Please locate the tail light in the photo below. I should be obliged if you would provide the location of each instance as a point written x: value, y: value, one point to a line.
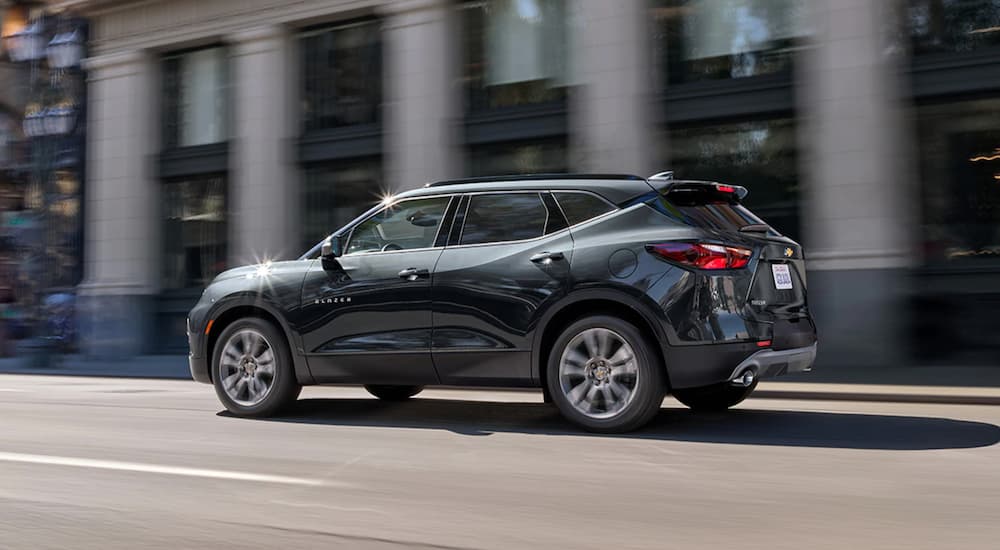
x: 703, y: 255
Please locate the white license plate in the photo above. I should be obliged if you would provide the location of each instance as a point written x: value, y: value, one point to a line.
x: 782, y: 276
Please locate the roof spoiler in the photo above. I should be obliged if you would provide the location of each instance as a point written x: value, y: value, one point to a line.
x: 665, y: 184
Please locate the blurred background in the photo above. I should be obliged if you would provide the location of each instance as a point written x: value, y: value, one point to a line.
x: 145, y: 146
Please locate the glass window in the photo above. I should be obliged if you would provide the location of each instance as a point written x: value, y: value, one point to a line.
x: 342, y: 71
x: 504, y: 217
x: 580, y: 207
x: 959, y: 146
x: 195, y: 105
x: 723, y: 39
x: 516, y: 52
x: 406, y: 225
x: 952, y: 25
x: 759, y: 155
x: 519, y: 157
x: 334, y: 194
x: 195, y: 231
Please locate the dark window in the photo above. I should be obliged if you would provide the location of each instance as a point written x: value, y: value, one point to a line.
x: 520, y: 157
x: 760, y: 155
x: 959, y: 145
x: 724, y: 39
x: 342, y: 68
x: 334, y: 194
x: 952, y: 25
x: 406, y: 225
x: 195, y: 105
x: 580, y: 207
x: 498, y: 218
x: 194, y: 231
x: 515, y: 52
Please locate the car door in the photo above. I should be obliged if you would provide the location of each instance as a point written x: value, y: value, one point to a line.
x: 366, y: 315
x: 507, y: 260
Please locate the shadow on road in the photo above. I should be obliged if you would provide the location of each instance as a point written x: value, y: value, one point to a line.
x: 738, y: 426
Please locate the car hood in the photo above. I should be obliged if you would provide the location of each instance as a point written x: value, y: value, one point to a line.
x: 257, y: 270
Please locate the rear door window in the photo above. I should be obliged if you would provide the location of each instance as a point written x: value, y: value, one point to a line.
x: 500, y: 217
x: 580, y: 207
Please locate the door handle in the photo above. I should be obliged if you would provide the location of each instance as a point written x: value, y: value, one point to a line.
x: 546, y: 257
x: 412, y: 273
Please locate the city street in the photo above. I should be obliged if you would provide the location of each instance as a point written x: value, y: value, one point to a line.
x: 108, y: 463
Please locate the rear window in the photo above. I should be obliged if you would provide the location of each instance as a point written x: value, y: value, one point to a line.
x: 495, y: 218
x: 580, y: 207
x: 719, y: 216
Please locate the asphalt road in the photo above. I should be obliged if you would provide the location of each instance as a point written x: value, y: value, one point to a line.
x: 126, y: 464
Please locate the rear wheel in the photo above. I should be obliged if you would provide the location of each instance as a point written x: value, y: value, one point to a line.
x: 604, y: 375
x: 714, y: 398
x: 252, y: 369
x: 393, y: 393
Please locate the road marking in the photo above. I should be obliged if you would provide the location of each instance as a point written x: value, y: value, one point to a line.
x: 13, y: 390
x: 154, y: 469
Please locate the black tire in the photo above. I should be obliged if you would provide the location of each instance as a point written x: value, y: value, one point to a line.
x: 393, y: 393
x: 714, y: 398
x: 284, y: 387
x: 647, y: 384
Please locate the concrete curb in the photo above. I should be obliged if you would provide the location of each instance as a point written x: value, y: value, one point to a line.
x: 821, y: 395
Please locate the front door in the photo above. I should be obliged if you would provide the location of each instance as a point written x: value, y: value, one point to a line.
x: 366, y: 315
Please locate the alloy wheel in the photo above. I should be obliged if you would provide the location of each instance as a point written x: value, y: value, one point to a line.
x: 598, y: 373
x: 247, y: 367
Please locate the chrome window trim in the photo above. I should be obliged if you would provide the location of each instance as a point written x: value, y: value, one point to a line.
x: 437, y: 232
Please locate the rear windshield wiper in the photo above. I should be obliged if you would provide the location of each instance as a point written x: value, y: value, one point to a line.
x: 755, y: 228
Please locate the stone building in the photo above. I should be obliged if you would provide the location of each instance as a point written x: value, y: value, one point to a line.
x: 224, y: 131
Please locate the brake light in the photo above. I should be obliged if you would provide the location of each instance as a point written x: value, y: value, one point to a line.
x: 725, y: 188
x: 703, y: 255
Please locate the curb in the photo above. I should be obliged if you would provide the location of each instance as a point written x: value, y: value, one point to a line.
x: 820, y: 395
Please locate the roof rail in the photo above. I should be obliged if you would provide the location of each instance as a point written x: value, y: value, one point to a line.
x: 668, y: 175
x: 534, y: 177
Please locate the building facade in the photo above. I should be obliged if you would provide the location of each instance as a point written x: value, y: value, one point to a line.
x: 223, y: 132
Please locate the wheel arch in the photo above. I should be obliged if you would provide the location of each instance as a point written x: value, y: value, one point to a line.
x: 595, y: 302
x: 242, y: 308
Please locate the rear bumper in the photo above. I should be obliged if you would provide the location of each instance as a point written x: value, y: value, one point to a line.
x: 769, y: 363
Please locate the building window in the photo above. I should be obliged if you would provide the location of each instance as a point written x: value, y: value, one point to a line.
x: 759, y: 155
x: 952, y: 25
x: 516, y: 52
x: 337, y: 193
x: 547, y: 156
x: 195, y: 98
x: 959, y: 146
x: 194, y: 232
x: 726, y: 39
x: 342, y: 71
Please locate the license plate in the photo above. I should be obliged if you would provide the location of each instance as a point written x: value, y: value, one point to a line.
x: 782, y: 276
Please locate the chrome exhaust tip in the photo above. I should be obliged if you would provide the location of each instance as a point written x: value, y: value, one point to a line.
x: 744, y: 379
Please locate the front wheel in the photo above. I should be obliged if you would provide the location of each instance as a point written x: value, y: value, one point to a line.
x: 714, y: 398
x: 605, y: 376
x: 252, y: 369
x: 393, y: 393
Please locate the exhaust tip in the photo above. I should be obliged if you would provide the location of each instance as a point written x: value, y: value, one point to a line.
x: 745, y: 379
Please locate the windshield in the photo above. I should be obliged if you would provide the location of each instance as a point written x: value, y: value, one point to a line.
x: 718, y: 216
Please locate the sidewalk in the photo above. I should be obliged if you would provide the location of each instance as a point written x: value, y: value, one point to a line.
x: 925, y: 384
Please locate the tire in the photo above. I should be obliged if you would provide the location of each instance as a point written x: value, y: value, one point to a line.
x: 714, y: 398
x: 594, y: 383
x: 393, y: 393
x: 231, y: 368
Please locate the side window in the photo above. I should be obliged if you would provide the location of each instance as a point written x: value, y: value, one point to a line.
x: 405, y: 225
x: 495, y: 218
x: 580, y: 207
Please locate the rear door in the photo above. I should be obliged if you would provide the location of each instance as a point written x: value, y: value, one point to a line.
x: 507, y: 260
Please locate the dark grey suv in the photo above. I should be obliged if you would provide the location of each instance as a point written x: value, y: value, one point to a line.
x: 605, y: 291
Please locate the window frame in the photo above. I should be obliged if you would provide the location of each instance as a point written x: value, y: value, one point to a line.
x: 348, y: 231
x: 464, y: 217
x: 170, y: 120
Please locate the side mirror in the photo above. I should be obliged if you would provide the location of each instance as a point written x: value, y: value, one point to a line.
x: 332, y: 247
